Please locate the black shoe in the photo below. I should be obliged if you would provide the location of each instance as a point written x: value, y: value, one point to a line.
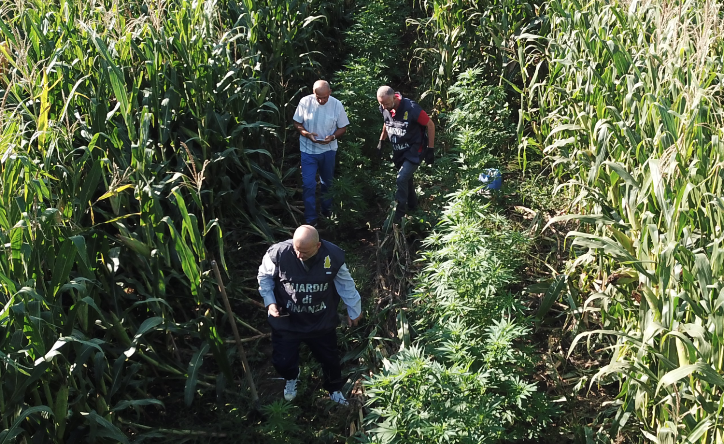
x: 327, y: 213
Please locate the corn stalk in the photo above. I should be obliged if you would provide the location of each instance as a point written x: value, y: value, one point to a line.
x: 123, y: 130
x: 630, y: 120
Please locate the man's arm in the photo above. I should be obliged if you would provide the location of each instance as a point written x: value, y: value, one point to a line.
x: 430, y: 133
x: 298, y: 119
x: 383, y: 136
x: 346, y: 289
x: 265, y: 277
x: 339, y: 132
x: 342, y: 122
x: 300, y: 127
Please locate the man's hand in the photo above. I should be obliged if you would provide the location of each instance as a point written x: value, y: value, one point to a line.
x: 273, y: 310
x: 311, y: 136
x: 430, y: 155
x: 380, y: 144
x: 353, y: 322
x: 324, y: 141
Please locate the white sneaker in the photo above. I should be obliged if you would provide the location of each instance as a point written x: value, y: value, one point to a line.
x: 290, y: 390
x: 338, y: 397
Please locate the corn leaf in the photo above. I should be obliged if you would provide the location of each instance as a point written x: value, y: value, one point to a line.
x: 147, y: 325
x: 705, y: 370
x: 122, y: 405
x: 106, y: 429
x: 8, y: 436
x: 550, y: 296
x: 188, y: 261
x: 193, y: 373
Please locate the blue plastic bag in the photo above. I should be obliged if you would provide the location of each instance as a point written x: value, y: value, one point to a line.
x: 491, y: 179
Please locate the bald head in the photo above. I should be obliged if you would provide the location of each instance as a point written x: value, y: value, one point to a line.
x: 321, y: 86
x: 306, y: 242
x: 386, y: 98
x: 385, y: 91
x: 306, y: 234
x: 321, y: 91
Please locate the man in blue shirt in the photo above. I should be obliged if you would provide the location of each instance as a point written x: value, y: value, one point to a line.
x: 302, y: 281
x: 320, y: 120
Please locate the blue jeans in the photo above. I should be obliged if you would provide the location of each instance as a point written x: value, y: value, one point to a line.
x: 311, y: 164
x: 405, y: 194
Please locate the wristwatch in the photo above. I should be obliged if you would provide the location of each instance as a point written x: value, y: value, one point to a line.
x: 334, y: 137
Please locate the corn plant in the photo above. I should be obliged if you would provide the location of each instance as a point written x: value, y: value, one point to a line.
x: 123, y: 128
x: 629, y: 118
x: 455, y: 36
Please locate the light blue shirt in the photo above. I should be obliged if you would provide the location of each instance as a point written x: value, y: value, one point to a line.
x: 320, y: 119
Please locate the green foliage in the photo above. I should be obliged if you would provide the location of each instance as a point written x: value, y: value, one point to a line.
x: 350, y: 184
x: 480, y: 369
x: 454, y: 36
x: 464, y: 378
x: 374, y: 60
x: 481, y: 117
x: 629, y: 118
x: 375, y: 35
x: 480, y: 123
x: 421, y: 399
x: 280, y: 425
x: 126, y: 133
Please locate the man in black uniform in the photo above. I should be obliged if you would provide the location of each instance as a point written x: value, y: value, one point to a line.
x: 412, y: 134
x: 302, y: 281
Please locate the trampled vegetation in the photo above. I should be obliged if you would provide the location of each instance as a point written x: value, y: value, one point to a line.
x: 583, y: 302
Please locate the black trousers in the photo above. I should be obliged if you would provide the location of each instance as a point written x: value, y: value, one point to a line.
x: 285, y: 355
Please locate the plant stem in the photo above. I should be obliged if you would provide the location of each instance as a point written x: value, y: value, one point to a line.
x: 242, y: 353
x: 173, y: 431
